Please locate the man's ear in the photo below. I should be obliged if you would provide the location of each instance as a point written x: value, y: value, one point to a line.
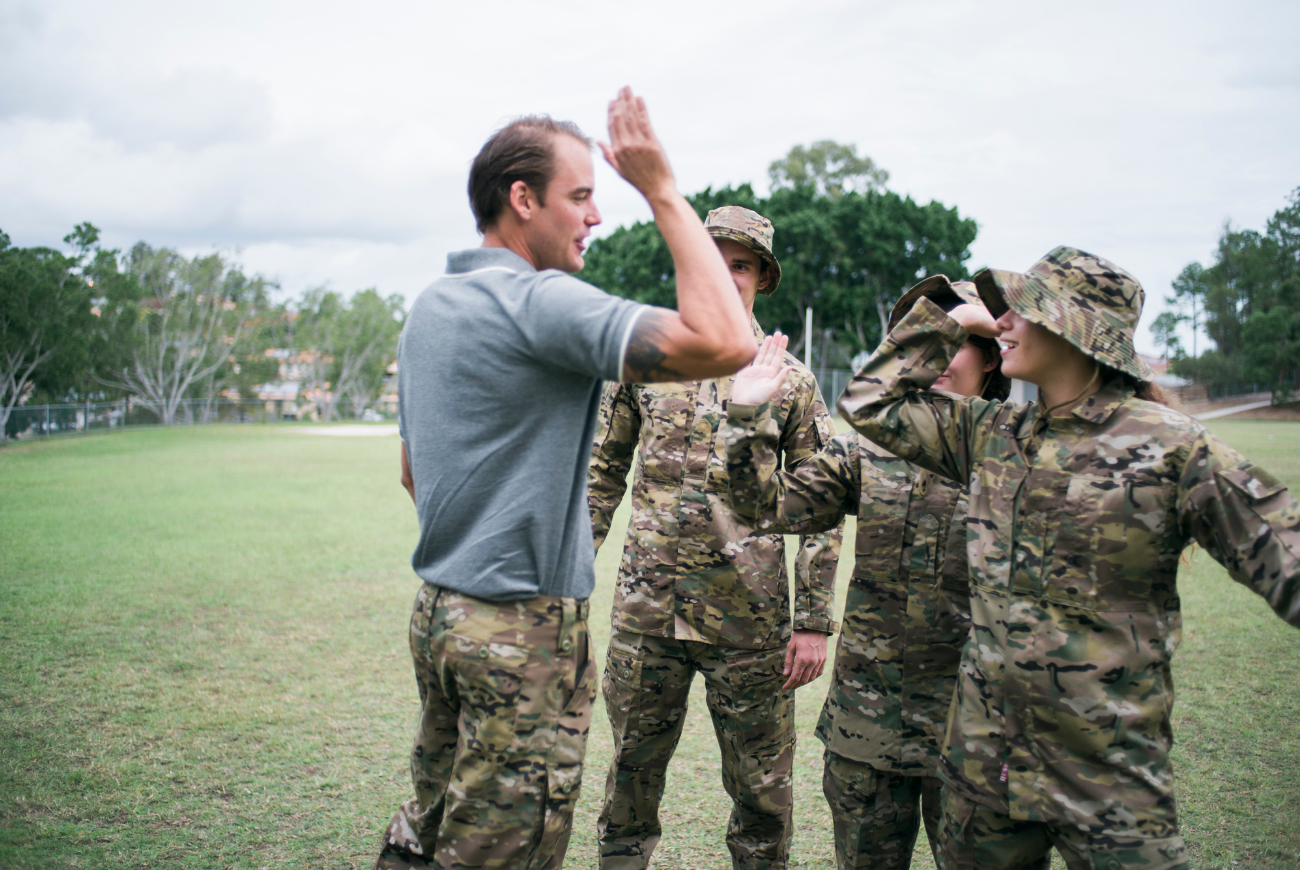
x: 764, y: 275
x: 522, y: 200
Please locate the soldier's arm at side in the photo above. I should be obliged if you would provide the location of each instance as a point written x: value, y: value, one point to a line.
x: 889, y: 401
x: 408, y: 482
x: 807, y: 433
x: 618, y: 426
x: 1246, y: 519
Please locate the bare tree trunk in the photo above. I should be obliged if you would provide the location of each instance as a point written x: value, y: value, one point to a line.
x: 13, y: 384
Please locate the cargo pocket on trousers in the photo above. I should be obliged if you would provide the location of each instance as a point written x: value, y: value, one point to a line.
x: 621, y: 688
x: 564, y: 770
x: 489, y: 677
x: 1166, y: 853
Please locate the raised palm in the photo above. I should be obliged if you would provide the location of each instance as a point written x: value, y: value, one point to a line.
x: 758, y: 382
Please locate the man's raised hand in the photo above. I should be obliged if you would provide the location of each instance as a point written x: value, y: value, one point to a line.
x: 758, y: 382
x: 634, y: 150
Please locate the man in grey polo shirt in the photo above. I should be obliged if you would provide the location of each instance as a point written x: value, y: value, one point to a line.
x: 501, y: 363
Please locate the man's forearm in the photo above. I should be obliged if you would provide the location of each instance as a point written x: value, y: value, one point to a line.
x: 707, y: 300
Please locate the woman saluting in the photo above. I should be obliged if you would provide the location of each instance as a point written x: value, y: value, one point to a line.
x: 905, y: 616
x: 1080, y: 505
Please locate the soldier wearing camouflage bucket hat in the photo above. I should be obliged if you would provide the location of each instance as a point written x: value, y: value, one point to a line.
x: 1080, y: 506
x: 699, y: 589
x: 907, y: 612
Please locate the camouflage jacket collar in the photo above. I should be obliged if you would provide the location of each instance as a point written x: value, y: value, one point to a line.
x: 759, y: 334
x: 1096, y: 409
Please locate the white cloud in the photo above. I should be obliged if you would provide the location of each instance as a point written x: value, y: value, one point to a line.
x: 329, y: 141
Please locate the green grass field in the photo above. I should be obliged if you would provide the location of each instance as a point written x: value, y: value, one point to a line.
x: 205, y: 665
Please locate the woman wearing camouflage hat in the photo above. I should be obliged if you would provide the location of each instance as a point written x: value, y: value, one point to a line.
x: 906, y: 616
x: 1080, y: 506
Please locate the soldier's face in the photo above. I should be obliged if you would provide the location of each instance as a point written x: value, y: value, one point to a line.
x: 1031, y: 352
x: 557, y: 231
x: 746, y: 269
x: 965, y: 374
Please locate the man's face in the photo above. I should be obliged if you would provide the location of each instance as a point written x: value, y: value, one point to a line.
x: 746, y: 268
x: 558, y: 230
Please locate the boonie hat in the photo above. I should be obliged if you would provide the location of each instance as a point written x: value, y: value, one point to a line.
x: 752, y: 230
x: 1090, y: 302
x: 947, y: 295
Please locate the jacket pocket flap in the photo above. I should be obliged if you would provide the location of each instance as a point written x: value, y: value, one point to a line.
x: 1253, y: 482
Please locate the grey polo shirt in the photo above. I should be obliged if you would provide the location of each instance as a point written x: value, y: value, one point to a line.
x: 499, y: 378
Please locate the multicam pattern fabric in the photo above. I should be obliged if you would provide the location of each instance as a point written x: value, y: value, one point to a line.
x: 876, y: 814
x: 647, y: 683
x: 974, y: 837
x: 905, y: 616
x: 691, y: 568
x: 1076, y: 524
x: 752, y: 230
x: 1090, y: 302
x: 506, y: 690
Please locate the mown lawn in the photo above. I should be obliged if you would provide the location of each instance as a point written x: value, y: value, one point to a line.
x: 204, y: 665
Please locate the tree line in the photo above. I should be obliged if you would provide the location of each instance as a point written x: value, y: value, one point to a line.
x: 1247, y: 302
x: 848, y: 248
x: 160, y: 327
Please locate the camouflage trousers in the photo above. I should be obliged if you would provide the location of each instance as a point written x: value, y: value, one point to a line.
x: 647, y: 683
x: 877, y: 813
x: 506, y: 690
x: 975, y: 837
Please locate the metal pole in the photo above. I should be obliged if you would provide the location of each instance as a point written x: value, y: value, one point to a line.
x: 47, y: 421
x: 88, y: 416
x: 807, y: 337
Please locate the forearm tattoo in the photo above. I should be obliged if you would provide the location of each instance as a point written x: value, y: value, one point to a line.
x: 644, y: 360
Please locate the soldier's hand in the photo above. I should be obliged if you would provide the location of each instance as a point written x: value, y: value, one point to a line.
x: 805, y: 658
x: 758, y: 382
x: 976, y: 319
x: 634, y: 150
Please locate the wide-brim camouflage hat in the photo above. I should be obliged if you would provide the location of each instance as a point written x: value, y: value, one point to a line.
x: 948, y: 294
x: 940, y: 290
x: 752, y: 230
x: 1090, y: 302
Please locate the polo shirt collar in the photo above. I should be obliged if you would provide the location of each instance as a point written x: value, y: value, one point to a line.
x: 474, y: 259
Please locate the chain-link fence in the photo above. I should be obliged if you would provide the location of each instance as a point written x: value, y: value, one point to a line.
x: 42, y: 421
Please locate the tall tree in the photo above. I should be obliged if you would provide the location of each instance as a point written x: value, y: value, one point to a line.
x: 829, y: 168
x: 1164, y: 329
x: 1248, y: 300
x: 180, y: 323
x: 350, y: 343
x: 46, y: 319
x: 848, y: 256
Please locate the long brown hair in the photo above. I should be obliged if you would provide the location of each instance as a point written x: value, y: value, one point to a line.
x: 1145, y: 390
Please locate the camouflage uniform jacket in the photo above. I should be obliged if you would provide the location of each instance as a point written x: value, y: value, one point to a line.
x: 905, y: 620
x: 1076, y: 524
x: 691, y: 568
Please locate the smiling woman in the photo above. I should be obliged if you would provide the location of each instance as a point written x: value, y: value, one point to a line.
x: 1080, y: 509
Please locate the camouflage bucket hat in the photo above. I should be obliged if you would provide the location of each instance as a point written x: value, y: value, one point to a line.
x: 948, y: 295
x: 752, y: 230
x: 1090, y: 302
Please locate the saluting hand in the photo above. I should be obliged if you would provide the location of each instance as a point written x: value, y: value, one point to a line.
x: 976, y: 319
x: 758, y: 382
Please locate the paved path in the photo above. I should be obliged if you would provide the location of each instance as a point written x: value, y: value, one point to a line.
x: 358, y: 429
x: 1235, y: 409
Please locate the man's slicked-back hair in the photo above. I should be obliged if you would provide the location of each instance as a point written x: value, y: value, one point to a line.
x: 520, y: 151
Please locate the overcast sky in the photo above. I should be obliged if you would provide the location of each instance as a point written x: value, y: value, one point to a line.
x: 329, y: 142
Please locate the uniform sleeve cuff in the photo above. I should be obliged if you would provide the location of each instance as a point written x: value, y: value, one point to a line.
x: 743, y: 415
x: 816, y: 623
